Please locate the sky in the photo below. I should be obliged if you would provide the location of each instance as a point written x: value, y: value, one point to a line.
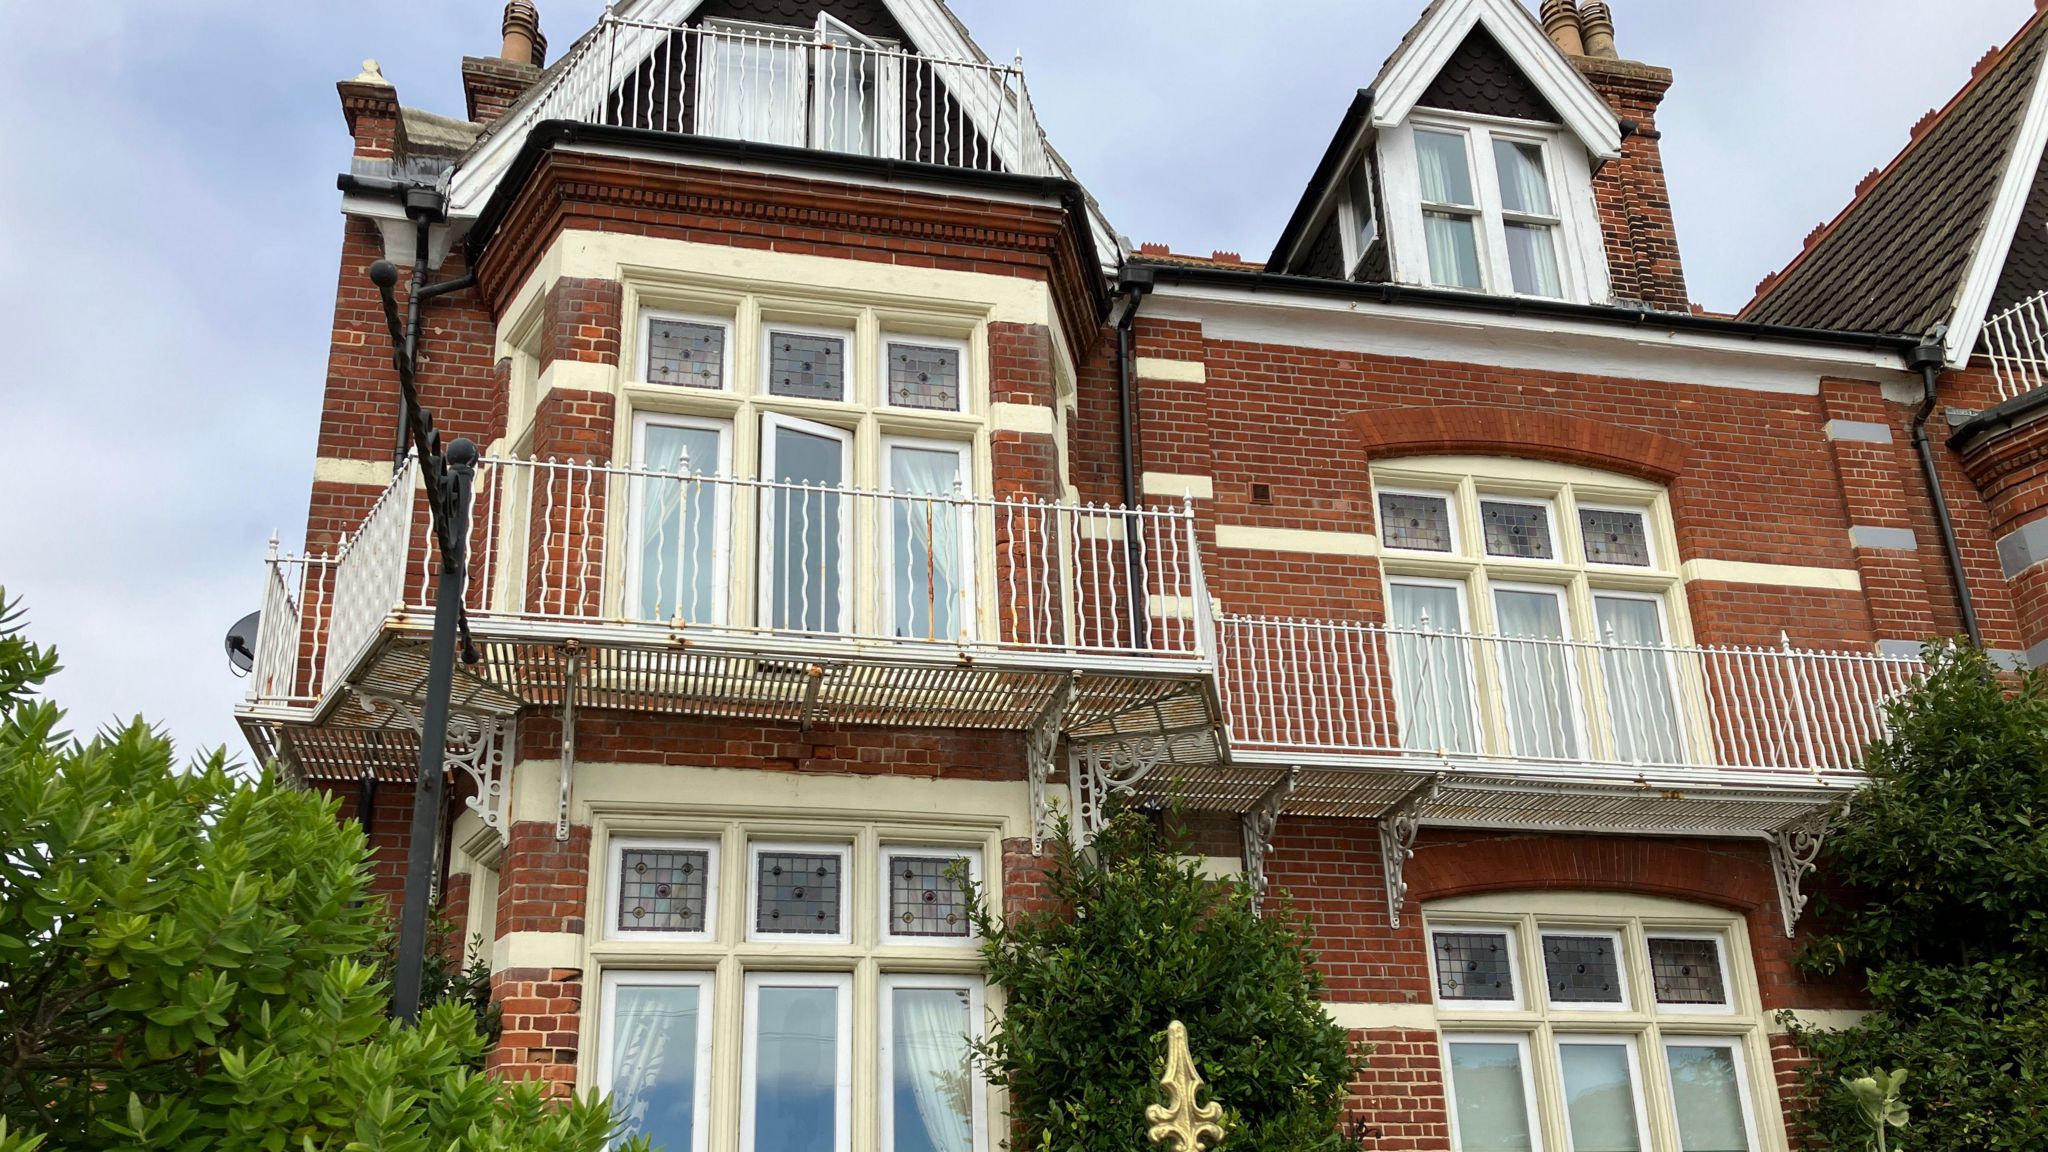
x: 169, y: 234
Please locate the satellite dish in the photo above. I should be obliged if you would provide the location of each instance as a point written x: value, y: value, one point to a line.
x: 241, y: 644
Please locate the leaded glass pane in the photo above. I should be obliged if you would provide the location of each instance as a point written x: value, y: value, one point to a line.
x: 927, y: 896
x: 662, y: 889
x: 1473, y: 966
x: 686, y: 354
x: 806, y: 366
x: 1422, y: 523
x: 1615, y: 537
x: 1582, y: 970
x: 1686, y: 971
x: 799, y: 892
x: 924, y: 377
x: 1519, y: 531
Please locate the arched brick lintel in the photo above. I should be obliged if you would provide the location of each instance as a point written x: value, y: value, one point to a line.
x: 1527, y: 433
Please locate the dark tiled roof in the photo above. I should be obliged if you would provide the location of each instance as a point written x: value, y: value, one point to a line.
x: 868, y: 17
x: 1480, y: 78
x: 1896, y: 257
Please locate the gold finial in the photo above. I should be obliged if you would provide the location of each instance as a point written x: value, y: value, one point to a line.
x: 1181, y: 1119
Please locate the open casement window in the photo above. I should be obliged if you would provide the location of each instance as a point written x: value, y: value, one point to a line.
x: 680, y: 512
x: 857, y: 94
x: 1492, y: 207
x: 805, y: 525
x: 932, y: 1098
x: 796, y: 1084
x: 930, y: 536
x: 654, y: 1055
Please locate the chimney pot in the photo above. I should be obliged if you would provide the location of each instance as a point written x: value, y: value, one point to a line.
x: 1597, y: 24
x: 521, y: 29
x: 1561, y: 23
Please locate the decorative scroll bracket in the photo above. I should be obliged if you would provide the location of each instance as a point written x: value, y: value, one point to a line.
x: 1183, y: 1122
x: 1794, y: 849
x: 1258, y: 833
x: 1040, y: 742
x: 1110, y: 768
x: 478, y: 744
x: 1398, y: 826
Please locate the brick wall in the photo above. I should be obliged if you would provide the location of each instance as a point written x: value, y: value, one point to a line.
x: 642, y: 738
x: 1634, y: 201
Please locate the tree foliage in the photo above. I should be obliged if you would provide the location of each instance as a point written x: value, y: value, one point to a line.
x: 1944, y: 911
x: 188, y: 961
x: 1135, y: 938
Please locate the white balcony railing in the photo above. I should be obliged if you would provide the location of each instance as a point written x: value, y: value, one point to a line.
x: 676, y: 553
x: 2016, y: 343
x: 824, y: 90
x: 1305, y: 685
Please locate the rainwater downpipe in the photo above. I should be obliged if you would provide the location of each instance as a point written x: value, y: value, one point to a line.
x: 1928, y: 359
x: 1136, y: 282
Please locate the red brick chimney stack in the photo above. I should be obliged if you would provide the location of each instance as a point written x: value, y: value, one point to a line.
x: 491, y: 84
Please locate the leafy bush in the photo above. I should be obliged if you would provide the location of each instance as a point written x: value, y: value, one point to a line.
x: 1139, y: 938
x: 187, y: 961
x: 1944, y: 910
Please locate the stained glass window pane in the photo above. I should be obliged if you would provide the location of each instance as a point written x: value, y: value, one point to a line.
x: 1519, y: 531
x: 928, y: 896
x: 1422, y: 523
x: 806, y: 366
x: 1686, y: 971
x: 799, y: 893
x: 686, y: 354
x: 1473, y: 966
x: 662, y: 889
x: 1582, y: 970
x: 924, y: 377
x: 1615, y: 537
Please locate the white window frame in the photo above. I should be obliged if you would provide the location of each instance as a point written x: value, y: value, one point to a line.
x: 842, y: 985
x: 888, y: 81
x: 1482, y: 499
x: 849, y: 350
x: 1567, y: 644
x: 770, y: 424
x: 886, y: 1057
x: 705, y: 983
x: 957, y: 346
x: 848, y: 905
x: 1450, y: 502
x: 1474, y: 662
x: 1615, y: 938
x: 615, y: 866
x: 646, y: 357
x: 709, y: 93
x: 970, y: 524
x: 1517, y: 981
x: 1476, y: 212
x: 1353, y: 216
x: 1519, y: 1040
x: 888, y: 855
x: 1649, y: 537
x: 1740, y: 1063
x: 1635, y: 1081
x: 721, y: 540
x: 1726, y: 1007
x: 1500, y: 217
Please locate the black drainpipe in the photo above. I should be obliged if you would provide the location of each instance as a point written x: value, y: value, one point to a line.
x: 1135, y: 283
x: 1928, y: 358
x: 425, y: 206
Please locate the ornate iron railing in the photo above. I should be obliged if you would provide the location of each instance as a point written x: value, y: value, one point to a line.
x: 2016, y: 343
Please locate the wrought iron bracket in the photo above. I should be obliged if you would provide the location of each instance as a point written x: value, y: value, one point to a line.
x: 1258, y: 833
x: 1040, y: 742
x: 1794, y: 849
x: 479, y: 744
x: 1398, y: 826
x: 1106, y: 768
x: 572, y: 662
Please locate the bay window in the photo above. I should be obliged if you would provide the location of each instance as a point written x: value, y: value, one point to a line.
x: 1532, y: 611
x: 1596, y: 1023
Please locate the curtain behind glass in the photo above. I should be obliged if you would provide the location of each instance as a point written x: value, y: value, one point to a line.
x: 804, y: 529
x: 932, y: 1082
x: 796, y: 1069
x: 654, y: 1063
x: 1432, y: 673
x: 926, y: 538
x: 1640, y: 698
x: 1532, y: 259
x: 1493, y: 1112
x: 753, y: 88
x: 1706, y: 1098
x: 1453, y: 250
x: 846, y: 104
x: 677, y: 525
x: 1446, y: 172
x: 1535, y: 674
x: 1599, y: 1098
x: 1523, y: 188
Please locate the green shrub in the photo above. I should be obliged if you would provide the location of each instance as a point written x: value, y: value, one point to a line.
x: 1139, y: 938
x: 1944, y: 912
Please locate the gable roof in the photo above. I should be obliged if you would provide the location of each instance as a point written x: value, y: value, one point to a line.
x: 1922, y: 243
x: 1481, y: 78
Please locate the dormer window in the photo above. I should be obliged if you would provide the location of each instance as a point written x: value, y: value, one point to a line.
x: 1489, y: 216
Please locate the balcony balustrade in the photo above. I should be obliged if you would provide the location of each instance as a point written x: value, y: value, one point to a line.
x: 2015, y: 341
